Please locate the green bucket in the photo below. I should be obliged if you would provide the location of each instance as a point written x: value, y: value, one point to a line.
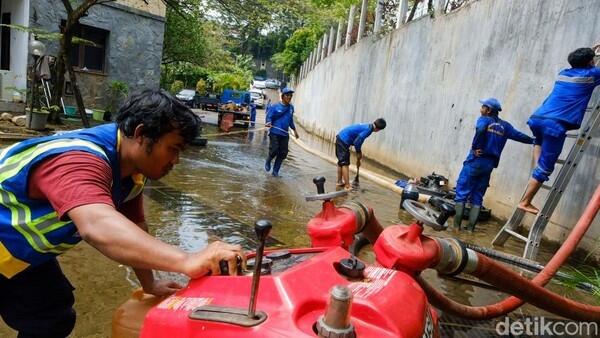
x: 70, y: 111
x: 98, y: 114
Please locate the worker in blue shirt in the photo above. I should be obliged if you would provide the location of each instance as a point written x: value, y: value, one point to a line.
x: 491, y: 134
x: 353, y: 135
x: 562, y: 110
x: 280, y: 118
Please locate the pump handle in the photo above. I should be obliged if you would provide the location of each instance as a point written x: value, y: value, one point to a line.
x: 320, y: 183
x: 321, y: 195
x: 262, y: 228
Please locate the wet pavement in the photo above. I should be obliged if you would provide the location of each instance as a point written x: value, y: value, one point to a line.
x: 219, y: 191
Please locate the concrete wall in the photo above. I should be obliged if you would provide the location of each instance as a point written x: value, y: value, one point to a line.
x: 19, y: 10
x: 156, y: 7
x: 134, y: 50
x: 426, y: 78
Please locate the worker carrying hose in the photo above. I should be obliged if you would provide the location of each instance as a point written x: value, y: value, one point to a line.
x: 87, y: 184
x: 562, y: 110
x: 491, y: 134
x: 280, y: 118
x: 353, y: 135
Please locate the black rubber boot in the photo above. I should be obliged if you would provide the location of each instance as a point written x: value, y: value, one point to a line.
x: 460, y: 208
x: 473, y: 216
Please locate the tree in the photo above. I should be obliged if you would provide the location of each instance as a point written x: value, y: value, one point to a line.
x: 297, y: 49
x: 63, y: 62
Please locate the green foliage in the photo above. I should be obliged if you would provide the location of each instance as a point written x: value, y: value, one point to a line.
x: 586, y: 276
x: 229, y: 80
x: 116, y: 91
x: 201, y: 86
x: 176, y: 87
x: 297, y: 49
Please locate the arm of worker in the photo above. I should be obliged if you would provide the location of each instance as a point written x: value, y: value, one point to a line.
x: 123, y: 241
x: 518, y: 136
x: 293, y: 127
x: 360, y: 139
x: 134, y: 211
x: 78, y: 184
x: 479, y: 137
x: 268, y: 117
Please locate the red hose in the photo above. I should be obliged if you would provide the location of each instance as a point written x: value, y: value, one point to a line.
x: 511, y: 303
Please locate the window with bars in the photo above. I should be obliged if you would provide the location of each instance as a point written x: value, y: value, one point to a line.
x: 89, y: 57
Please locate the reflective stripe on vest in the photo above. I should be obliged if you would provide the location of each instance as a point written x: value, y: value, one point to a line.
x: 33, y: 230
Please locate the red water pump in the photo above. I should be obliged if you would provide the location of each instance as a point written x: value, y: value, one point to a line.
x: 321, y: 291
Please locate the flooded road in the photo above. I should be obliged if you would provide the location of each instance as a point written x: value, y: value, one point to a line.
x: 219, y: 192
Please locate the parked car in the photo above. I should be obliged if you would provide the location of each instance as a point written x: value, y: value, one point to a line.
x: 258, y: 97
x: 187, y: 97
x: 272, y: 84
x: 259, y: 83
x: 208, y: 102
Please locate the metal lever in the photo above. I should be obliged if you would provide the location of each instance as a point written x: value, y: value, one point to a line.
x: 262, y: 228
x: 320, y: 183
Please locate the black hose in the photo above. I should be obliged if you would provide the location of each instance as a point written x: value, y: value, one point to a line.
x: 524, y: 263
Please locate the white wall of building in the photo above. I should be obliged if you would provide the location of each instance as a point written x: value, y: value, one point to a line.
x: 19, y: 10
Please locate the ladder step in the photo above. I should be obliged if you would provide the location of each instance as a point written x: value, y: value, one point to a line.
x: 572, y: 135
x: 516, y: 234
x: 559, y: 161
x: 547, y: 187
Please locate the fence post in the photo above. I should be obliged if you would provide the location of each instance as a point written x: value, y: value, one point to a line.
x: 439, y: 7
x: 331, y: 40
x: 348, y: 41
x: 363, y: 19
x: 378, y: 16
x: 401, y: 13
x: 324, y: 46
x: 338, y: 37
x: 319, y: 49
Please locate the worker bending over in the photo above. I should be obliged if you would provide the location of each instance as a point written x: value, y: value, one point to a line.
x: 353, y: 135
x: 491, y: 134
x: 87, y: 184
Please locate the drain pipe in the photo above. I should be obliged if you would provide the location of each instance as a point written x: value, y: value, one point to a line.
x: 529, y: 291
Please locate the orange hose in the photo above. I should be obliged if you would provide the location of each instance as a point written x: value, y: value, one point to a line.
x: 511, y: 303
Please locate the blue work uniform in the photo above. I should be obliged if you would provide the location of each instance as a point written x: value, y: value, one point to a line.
x: 37, y: 298
x: 562, y: 110
x: 355, y: 135
x: 491, y: 134
x: 252, y: 114
x: 281, y: 117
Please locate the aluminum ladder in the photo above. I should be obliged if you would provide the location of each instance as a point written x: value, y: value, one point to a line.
x: 556, y: 189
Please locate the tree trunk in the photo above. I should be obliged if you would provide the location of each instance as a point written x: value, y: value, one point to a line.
x: 59, y: 82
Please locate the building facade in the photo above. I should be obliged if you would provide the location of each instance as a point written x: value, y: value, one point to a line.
x: 127, y: 36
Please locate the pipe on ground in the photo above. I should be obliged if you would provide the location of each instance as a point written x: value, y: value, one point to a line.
x: 579, y: 312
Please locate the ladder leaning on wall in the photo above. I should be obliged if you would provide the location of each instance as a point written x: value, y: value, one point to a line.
x: 556, y: 189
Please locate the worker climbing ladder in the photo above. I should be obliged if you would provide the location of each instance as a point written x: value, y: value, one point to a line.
x: 555, y: 190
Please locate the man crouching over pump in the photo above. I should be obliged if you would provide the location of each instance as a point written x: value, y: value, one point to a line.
x: 87, y: 184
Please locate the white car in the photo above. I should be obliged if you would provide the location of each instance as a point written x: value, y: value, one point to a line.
x: 259, y: 84
x: 258, y: 97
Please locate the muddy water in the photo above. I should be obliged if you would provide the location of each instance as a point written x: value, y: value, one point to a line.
x: 219, y: 192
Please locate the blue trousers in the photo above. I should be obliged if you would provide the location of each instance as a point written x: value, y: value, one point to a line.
x: 252, y: 117
x: 38, y: 302
x: 474, y: 180
x: 550, y: 135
